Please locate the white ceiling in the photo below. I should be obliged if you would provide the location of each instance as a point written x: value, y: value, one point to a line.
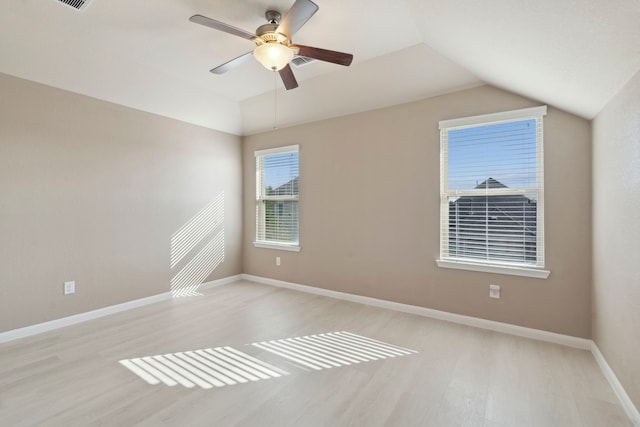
x: 145, y: 54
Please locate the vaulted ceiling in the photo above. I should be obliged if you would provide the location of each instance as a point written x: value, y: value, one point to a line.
x: 572, y: 54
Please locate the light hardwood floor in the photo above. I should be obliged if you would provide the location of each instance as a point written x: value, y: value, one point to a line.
x: 461, y: 376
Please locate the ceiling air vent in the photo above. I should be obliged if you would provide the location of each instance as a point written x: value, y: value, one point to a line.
x: 76, y: 4
x: 299, y: 61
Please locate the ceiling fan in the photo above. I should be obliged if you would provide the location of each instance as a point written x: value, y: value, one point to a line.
x: 274, y: 48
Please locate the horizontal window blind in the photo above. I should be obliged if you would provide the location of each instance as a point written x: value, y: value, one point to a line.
x: 277, y: 193
x: 492, y: 189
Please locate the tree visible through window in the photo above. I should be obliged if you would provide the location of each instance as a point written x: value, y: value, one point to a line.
x: 491, y: 189
x: 277, y: 194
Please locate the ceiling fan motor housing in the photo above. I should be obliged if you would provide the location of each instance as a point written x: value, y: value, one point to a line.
x: 267, y: 34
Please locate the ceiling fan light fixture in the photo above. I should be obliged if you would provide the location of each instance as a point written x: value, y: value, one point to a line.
x: 273, y: 56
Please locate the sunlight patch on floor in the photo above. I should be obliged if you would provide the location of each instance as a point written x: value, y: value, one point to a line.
x: 331, y: 350
x: 224, y: 366
x: 206, y: 368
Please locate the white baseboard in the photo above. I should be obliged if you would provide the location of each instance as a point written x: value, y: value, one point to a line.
x: 623, y: 397
x: 51, y: 325
x: 581, y: 343
x: 221, y: 282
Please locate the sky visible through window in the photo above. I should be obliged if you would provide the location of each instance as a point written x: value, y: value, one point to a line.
x: 280, y: 168
x: 505, y: 152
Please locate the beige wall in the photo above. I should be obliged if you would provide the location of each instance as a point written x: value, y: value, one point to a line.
x: 92, y: 192
x: 616, y: 235
x: 369, y: 208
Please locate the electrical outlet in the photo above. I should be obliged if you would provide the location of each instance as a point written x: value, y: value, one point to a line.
x: 70, y: 287
x: 494, y: 291
x: 278, y: 261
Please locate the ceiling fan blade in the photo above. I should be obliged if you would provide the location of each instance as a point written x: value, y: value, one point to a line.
x: 325, y: 55
x: 221, y: 69
x: 221, y: 26
x: 288, y: 78
x: 296, y: 17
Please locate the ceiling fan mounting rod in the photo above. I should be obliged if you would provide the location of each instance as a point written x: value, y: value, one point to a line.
x: 273, y: 16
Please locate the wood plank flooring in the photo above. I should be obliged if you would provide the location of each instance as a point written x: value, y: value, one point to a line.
x: 461, y: 376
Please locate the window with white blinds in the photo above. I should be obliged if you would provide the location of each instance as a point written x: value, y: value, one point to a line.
x: 492, y: 206
x: 277, y: 193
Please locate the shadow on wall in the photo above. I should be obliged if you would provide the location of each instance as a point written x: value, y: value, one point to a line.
x: 192, y: 261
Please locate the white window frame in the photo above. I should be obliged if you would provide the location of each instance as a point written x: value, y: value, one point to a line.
x: 482, y: 265
x: 261, y: 198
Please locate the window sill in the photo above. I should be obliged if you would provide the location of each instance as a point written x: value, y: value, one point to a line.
x: 499, y: 269
x: 280, y: 246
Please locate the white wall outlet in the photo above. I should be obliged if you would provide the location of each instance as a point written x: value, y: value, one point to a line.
x: 70, y: 287
x: 278, y: 261
x: 494, y: 291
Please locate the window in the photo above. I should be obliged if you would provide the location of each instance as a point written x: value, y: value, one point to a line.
x: 277, y: 192
x: 491, y: 189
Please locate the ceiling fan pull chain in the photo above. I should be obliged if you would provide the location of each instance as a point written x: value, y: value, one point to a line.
x: 275, y: 101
